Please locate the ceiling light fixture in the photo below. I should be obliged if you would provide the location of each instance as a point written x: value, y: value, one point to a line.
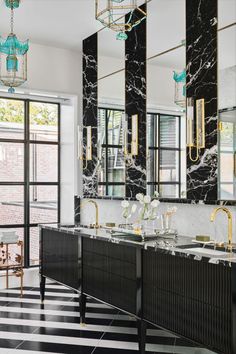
x: 112, y: 14
x: 13, y: 55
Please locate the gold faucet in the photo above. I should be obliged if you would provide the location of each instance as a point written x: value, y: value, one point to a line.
x: 96, y: 208
x: 230, y: 223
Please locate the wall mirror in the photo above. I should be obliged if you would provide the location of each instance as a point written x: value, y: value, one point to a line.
x: 111, y: 106
x: 227, y: 100
x: 166, y: 131
x: 166, y: 104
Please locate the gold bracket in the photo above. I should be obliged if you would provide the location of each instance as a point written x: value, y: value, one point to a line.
x: 88, y: 154
x: 200, y: 127
x: 134, y: 139
x: 220, y: 126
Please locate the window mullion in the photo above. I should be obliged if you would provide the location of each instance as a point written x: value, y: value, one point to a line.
x: 26, y: 177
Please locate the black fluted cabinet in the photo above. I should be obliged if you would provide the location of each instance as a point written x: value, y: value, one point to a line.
x: 61, y: 257
x: 192, y: 298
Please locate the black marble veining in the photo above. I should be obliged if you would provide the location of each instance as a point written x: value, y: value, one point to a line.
x: 76, y: 210
x: 201, y: 57
x: 90, y: 77
x: 135, y: 103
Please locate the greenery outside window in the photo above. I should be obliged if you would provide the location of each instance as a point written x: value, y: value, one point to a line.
x: 29, y: 169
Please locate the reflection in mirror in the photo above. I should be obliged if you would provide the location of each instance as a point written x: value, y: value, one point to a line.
x: 226, y: 12
x: 227, y: 150
x: 227, y: 105
x: 165, y: 25
x: 111, y: 53
x: 166, y: 132
x: 111, y: 105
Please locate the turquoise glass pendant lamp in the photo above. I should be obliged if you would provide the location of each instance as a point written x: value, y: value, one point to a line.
x: 13, y: 55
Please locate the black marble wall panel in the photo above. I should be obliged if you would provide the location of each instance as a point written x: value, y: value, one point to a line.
x: 90, y: 113
x: 201, y: 57
x: 77, y: 201
x: 135, y: 103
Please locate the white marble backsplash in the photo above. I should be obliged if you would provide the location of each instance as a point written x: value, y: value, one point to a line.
x: 190, y: 220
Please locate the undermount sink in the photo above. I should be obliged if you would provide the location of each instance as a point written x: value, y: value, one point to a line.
x: 208, y: 252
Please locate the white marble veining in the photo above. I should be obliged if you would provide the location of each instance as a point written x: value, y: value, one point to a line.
x: 190, y: 220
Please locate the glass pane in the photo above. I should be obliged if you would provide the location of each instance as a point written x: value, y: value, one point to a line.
x: 227, y: 68
x: 227, y: 167
x: 152, y: 130
x: 152, y: 166
x: 11, y: 162
x: 43, y: 163
x: 169, y: 166
x: 150, y: 189
x: 11, y: 119
x: 169, y: 131
x: 169, y: 191
x: 43, y: 121
x: 43, y: 204
x: 101, y: 190
x: 114, y: 126
x: 116, y: 165
x: 227, y: 192
x: 11, y: 205
x: 227, y: 136
x: 116, y: 191
x: 34, y: 246
x: 101, y: 127
x: 102, y: 166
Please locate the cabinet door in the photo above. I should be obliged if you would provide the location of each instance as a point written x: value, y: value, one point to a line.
x: 61, y: 257
x: 109, y: 273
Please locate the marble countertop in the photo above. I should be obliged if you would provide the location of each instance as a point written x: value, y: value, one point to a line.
x: 180, y: 246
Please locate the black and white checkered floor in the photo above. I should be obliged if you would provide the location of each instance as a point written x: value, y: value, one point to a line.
x: 28, y: 327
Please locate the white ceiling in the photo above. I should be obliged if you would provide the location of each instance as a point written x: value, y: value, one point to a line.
x: 64, y: 23
x: 58, y: 23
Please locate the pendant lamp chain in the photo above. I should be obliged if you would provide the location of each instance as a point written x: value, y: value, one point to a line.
x: 12, y: 19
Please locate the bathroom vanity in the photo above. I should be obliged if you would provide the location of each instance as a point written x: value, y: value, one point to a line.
x: 173, y: 284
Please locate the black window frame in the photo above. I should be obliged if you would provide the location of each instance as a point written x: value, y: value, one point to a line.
x: 106, y: 146
x: 27, y: 142
x: 157, y: 183
x: 157, y: 149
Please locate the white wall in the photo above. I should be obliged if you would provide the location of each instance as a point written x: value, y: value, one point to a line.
x: 68, y: 163
x: 53, y: 69
x: 58, y: 71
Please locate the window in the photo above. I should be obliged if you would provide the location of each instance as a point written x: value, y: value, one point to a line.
x: 166, y: 162
x: 29, y: 169
x: 112, y: 166
x: 227, y: 150
x: 166, y: 166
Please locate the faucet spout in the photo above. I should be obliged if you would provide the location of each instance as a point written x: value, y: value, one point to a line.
x: 96, y: 210
x: 230, y: 223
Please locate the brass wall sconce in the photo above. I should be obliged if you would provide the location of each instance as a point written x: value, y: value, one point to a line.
x: 134, y: 136
x: 195, y: 127
x: 88, y: 153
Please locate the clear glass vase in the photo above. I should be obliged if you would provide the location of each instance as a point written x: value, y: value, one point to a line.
x: 166, y: 222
